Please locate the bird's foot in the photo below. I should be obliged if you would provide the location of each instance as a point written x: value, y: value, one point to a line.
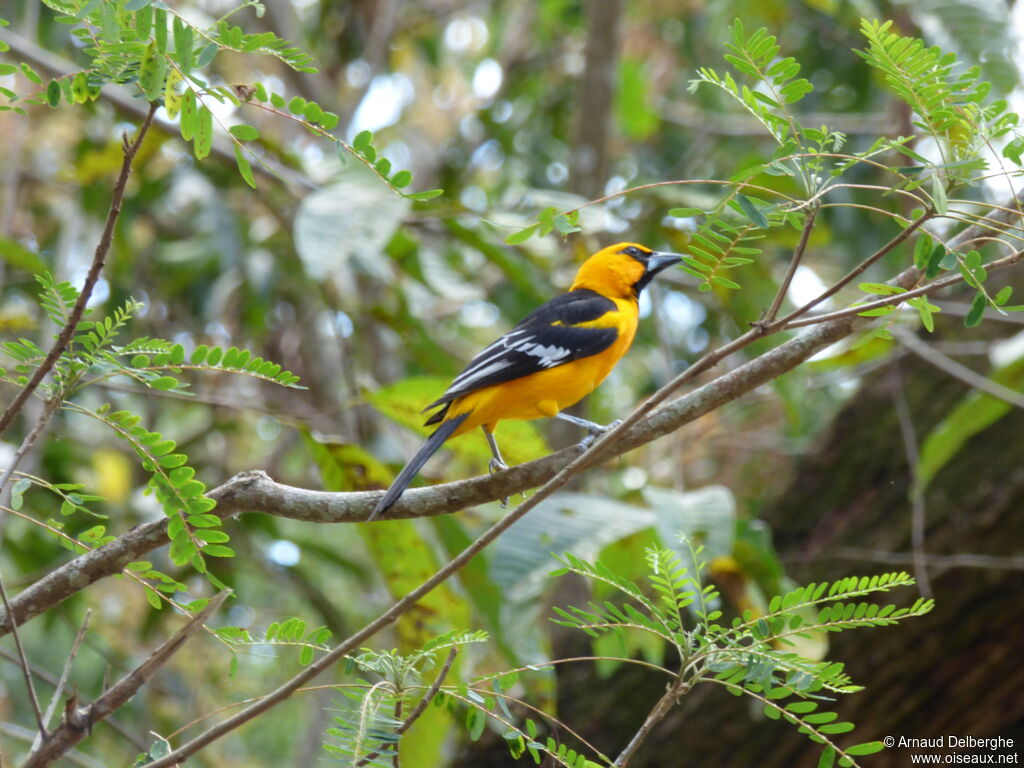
x: 595, y: 432
x: 497, y: 465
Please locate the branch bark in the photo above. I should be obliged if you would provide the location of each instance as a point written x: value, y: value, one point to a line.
x: 256, y: 492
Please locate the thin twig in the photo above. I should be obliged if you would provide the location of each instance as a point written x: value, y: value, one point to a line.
x: 854, y: 273
x: 794, y: 262
x: 49, y: 679
x: 671, y: 697
x: 958, y: 371
x: 918, y: 510
x: 77, y: 721
x: 26, y: 445
x: 899, y: 298
x: 98, y: 260
x: 23, y: 663
x: 62, y: 680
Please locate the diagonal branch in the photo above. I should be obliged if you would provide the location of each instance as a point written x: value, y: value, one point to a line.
x: 62, y: 680
x: 794, y: 262
x: 257, y: 492
x: 30, y: 687
x: 98, y: 260
x: 958, y: 371
x: 77, y: 721
x: 669, y: 699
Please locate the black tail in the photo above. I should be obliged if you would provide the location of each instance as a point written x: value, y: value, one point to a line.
x: 409, y: 471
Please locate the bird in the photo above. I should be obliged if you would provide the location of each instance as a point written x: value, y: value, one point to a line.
x: 548, y: 362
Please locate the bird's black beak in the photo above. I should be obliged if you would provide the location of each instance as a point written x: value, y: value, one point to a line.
x: 657, y: 262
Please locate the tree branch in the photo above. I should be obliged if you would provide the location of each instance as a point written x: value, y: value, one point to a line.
x: 794, y: 262
x: 79, y: 721
x: 670, y: 698
x: 62, y: 680
x: 256, y: 492
x: 98, y: 260
x: 918, y: 510
x: 30, y: 688
x: 960, y: 372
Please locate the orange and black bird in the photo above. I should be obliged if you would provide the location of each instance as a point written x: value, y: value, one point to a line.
x: 554, y: 358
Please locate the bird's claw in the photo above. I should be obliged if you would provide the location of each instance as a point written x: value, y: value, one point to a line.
x: 595, y: 433
x: 496, y: 465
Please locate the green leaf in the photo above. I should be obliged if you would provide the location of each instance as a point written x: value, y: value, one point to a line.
x: 243, y: 167
x: 53, y: 93
x: 977, y: 310
x: 297, y: 105
x: 429, y: 194
x: 207, y: 55
x: 752, y: 211
x: 312, y: 112
x: 30, y: 73
x: 401, y: 179
x: 18, y: 493
x: 329, y: 120
x: 189, y: 115
x: 522, y: 235
x: 204, y: 133
x: 362, y: 140
x: 218, y: 550
x: 152, y: 70
x: 867, y: 748
x: 163, y: 382
x: 183, y: 45
x: 828, y: 758
x: 244, y: 132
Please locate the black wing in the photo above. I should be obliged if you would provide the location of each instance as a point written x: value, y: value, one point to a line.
x: 544, y: 339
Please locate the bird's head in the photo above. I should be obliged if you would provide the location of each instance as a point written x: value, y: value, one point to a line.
x: 622, y: 270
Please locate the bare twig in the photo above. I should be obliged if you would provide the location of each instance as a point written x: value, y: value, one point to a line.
x: 49, y: 679
x: 78, y: 721
x: 918, y: 511
x: 671, y: 697
x: 26, y: 444
x: 23, y: 663
x: 899, y: 298
x: 794, y: 262
x: 62, y: 680
x: 958, y: 371
x: 854, y: 273
x: 98, y: 260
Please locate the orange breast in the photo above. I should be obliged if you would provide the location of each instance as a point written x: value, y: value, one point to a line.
x: 546, y: 392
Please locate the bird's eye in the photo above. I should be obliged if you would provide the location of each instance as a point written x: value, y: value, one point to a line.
x: 634, y: 252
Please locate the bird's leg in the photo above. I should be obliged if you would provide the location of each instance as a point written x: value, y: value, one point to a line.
x: 594, y: 430
x: 497, y: 463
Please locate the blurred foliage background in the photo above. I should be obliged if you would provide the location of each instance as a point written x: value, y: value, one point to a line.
x: 376, y: 302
